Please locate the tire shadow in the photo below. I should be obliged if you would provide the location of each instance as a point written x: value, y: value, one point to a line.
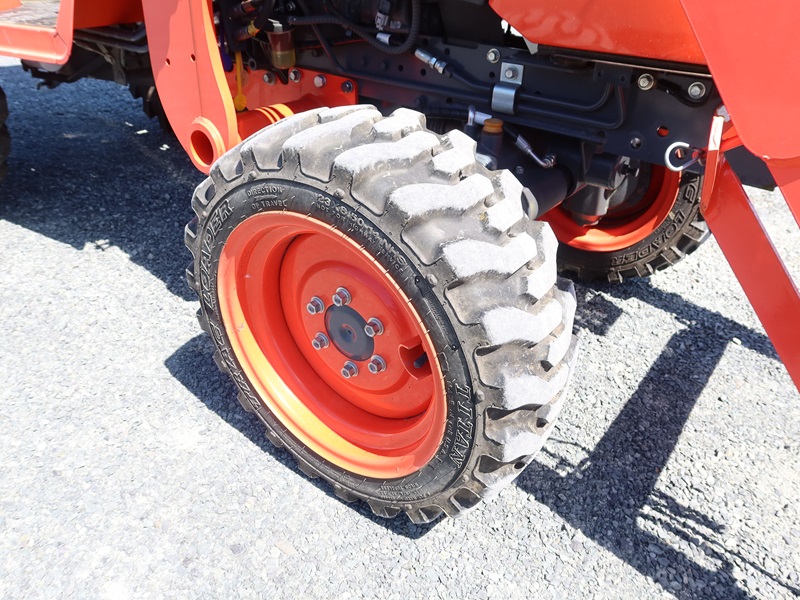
x: 635, y: 449
x: 192, y: 364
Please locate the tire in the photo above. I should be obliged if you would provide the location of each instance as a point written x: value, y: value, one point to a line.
x: 446, y: 235
x: 5, y: 137
x: 151, y: 104
x: 658, y: 244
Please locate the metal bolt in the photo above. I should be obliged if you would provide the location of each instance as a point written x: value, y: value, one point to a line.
x: 295, y: 75
x: 347, y: 87
x: 511, y: 73
x: 376, y: 365
x: 636, y: 143
x: 349, y: 369
x: 320, y: 81
x: 373, y: 327
x: 320, y: 341
x: 646, y: 81
x: 269, y: 78
x: 697, y: 90
x: 493, y: 55
x: 315, y: 306
x: 341, y: 297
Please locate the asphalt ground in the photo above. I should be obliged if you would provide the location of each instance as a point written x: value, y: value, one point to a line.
x: 128, y: 469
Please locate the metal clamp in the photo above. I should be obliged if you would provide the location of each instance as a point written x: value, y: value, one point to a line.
x: 695, y: 155
x: 504, y: 94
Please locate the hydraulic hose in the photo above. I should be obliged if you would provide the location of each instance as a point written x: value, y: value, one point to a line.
x: 408, y: 44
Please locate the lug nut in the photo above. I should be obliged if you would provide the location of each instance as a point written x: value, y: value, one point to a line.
x: 320, y: 341
x: 697, y: 90
x: 373, y: 327
x: 341, y: 297
x: 376, y: 365
x: 349, y: 369
x: 315, y: 306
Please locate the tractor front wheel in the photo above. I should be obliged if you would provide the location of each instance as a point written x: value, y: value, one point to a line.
x: 384, y: 306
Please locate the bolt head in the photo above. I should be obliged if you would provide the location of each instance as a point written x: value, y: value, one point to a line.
x: 511, y: 73
x: 341, y: 297
x: 320, y: 81
x: 697, y: 90
x: 320, y: 341
x: 269, y: 78
x: 493, y: 55
x: 376, y: 365
x: 646, y: 82
x: 350, y: 369
x: 373, y: 327
x: 295, y: 75
x: 347, y: 87
x: 315, y: 306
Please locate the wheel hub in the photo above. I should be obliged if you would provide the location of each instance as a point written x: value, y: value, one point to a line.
x: 345, y: 329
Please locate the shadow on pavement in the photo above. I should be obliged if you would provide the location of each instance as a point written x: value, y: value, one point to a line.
x: 635, y: 449
x: 193, y: 366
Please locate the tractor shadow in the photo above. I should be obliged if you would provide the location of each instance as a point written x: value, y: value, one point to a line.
x: 635, y: 449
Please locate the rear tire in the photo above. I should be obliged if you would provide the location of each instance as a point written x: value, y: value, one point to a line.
x: 657, y: 245
x: 5, y: 137
x: 450, y: 236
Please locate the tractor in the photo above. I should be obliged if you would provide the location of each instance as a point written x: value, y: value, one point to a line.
x: 399, y: 193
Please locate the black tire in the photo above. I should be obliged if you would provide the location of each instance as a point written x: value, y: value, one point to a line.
x: 481, y: 274
x: 681, y: 233
x: 5, y: 137
x: 151, y: 104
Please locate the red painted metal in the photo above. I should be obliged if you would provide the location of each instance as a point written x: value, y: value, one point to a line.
x: 752, y: 256
x: 655, y: 29
x: 383, y: 425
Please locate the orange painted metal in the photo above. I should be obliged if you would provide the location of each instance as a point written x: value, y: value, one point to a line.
x: 43, y: 44
x: 752, y: 52
x: 99, y: 13
x: 654, y: 29
x: 8, y: 4
x: 615, y: 233
x: 752, y: 256
x: 189, y: 77
x: 383, y: 425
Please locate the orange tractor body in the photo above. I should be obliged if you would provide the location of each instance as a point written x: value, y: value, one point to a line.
x: 630, y: 127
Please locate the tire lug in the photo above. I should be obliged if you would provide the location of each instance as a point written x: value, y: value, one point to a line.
x: 376, y: 365
x: 341, y: 297
x: 373, y: 327
x: 315, y: 306
x: 320, y: 341
x: 349, y: 370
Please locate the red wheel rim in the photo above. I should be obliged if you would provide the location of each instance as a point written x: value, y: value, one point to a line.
x: 619, y: 232
x: 386, y: 424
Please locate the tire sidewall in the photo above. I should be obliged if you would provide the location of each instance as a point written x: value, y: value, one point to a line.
x: 590, y: 264
x: 276, y: 195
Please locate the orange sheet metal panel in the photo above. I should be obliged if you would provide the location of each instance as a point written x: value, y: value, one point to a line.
x: 753, y: 54
x: 43, y: 44
x: 99, y: 13
x: 654, y: 29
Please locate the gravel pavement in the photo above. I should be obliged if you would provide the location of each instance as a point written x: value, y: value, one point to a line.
x: 128, y: 469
